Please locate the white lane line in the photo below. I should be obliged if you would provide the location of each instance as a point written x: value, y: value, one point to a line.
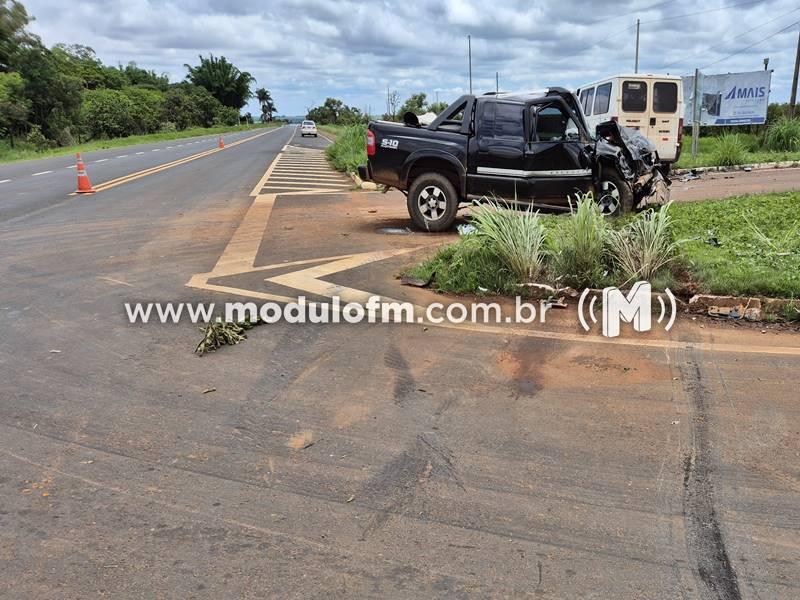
x: 123, y: 156
x: 140, y: 153
x: 155, y: 149
x: 101, y: 160
x: 71, y: 167
x: 5, y: 181
x: 41, y: 173
x: 169, y: 147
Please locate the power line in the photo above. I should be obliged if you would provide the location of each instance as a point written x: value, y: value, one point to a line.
x: 701, y: 12
x: 685, y: 58
x: 751, y: 45
x: 635, y: 12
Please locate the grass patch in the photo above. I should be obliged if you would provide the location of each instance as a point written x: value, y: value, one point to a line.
x: 578, y: 245
x: 709, y: 153
x: 23, y: 152
x: 742, y: 246
x: 748, y: 245
x: 349, y: 148
x: 783, y: 136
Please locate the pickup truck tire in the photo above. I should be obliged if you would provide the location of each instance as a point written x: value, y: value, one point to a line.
x: 614, y: 194
x: 432, y: 202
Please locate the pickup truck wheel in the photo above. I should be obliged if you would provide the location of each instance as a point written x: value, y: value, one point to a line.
x: 614, y: 195
x: 432, y: 202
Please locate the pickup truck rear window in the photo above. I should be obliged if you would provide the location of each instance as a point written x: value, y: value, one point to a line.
x: 508, y: 124
x: 665, y: 97
x: 634, y: 96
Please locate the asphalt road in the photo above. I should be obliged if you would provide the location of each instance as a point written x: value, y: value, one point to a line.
x: 348, y: 461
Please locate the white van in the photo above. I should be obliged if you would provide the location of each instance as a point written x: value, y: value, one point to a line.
x: 652, y: 104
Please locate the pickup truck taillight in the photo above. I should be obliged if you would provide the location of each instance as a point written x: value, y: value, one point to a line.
x: 370, y: 143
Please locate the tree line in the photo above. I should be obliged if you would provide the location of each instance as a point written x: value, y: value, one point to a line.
x: 62, y: 95
x: 336, y: 112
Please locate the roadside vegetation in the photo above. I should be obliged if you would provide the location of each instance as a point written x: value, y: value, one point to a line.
x: 743, y: 246
x: 64, y: 96
x: 8, y: 154
x: 778, y: 141
x: 349, y: 147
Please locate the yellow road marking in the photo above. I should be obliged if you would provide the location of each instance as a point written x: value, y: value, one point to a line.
x: 158, y: 168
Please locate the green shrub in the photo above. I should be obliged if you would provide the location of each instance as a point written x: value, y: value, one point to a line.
x: 106, y: 113
x: 730, y: 149
x: 516, y: 236
x: 146, y: 108
x: 643, y: 247
x: 783, y: 136
x: 578, y: 245
x: 350, y: 148
x: 36, y: 139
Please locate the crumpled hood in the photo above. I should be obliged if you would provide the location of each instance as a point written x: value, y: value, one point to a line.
x: 633, y: 152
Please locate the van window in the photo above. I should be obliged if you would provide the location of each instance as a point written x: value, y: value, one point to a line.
x: 587, y: 97
x: 665, y: 97
x: 508, y: 124
x: 602, y: 98
x: 634, y: 96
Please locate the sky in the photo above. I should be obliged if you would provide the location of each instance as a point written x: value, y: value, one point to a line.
x: 306, y: 50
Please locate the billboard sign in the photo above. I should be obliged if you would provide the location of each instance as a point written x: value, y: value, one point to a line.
x: 729, y: 99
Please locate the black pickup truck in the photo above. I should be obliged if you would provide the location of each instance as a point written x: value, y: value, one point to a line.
x: 526, y: 149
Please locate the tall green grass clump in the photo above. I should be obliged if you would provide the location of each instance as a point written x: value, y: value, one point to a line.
x: 350, y: 148
x: 731, y: 149
x: 517, y: 237
x: 578, y: 245
x: 783, y: 136
x: 643, y: 247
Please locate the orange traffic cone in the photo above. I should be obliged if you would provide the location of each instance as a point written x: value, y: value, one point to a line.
x: 221, y: 142
x: 84, y: 185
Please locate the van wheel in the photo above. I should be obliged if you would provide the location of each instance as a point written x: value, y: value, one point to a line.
x: 432, y: 202
x: 614, y: 194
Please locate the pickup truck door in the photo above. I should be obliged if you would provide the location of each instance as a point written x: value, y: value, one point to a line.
x: 557, y: 159
x: 497, y: 152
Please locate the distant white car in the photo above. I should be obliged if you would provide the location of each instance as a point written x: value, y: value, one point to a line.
x: 308, y: 128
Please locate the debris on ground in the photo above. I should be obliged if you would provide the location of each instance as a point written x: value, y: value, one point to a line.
x: 209, y: 390
x: 691, y: 176
x: 351, y: 498
x: 221, y: 333
x: 556, y: 303
x: 417, y: 281
x: 465, y: 229
x: 543, y: 288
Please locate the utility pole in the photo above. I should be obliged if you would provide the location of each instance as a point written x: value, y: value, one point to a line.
x: 695, y: 112
x: 794, y: 80
x: 636, y: 65
x: 497, y: 82
x: 388, y: 102
x: 469, y: 51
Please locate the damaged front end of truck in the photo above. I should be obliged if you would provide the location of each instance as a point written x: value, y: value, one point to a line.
x: 635, y: 159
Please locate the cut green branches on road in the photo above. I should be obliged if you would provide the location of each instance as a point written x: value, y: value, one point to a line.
x: 222, y: 333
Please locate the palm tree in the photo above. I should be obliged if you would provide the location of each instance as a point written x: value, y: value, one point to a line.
x: 267, y: 104
x: 223, y: 80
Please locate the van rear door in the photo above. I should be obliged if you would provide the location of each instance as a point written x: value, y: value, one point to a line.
x: 665, y: 118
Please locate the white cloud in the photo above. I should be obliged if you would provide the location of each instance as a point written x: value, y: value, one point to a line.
x: 305, y: 50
